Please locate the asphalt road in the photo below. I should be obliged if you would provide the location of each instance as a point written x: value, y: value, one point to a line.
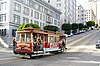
x: 82, y: 52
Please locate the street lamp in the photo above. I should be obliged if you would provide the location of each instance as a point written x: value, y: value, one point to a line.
x: 95, y: 1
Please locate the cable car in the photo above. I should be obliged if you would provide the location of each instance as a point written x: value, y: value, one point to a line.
x: 34, y: 42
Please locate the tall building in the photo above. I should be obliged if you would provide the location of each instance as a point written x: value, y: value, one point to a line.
x: 80, y: 14
x: 15, y: 12
x: 90, y: 15
x: 68, y: 9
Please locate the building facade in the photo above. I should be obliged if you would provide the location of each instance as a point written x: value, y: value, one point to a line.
x: 68, y: 9
x: 15, y: 12
x: 80, y: 14
x: 90, y: 15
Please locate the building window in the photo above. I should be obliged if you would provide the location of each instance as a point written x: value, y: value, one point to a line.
x: 40, y: 16
x: 17, y: 7
x: 3, y: 32
x: 44, y: 17
x: 52, y: 20
x: 31, y: 21
x: 31, y: 13
x: 24, y: 1
x: 36, y: 15
x: 82, y: 18
x: 48, y: 1
x: 58, y: 23
x: 58, y: 4
x: 31, y: 3
x: 25, y: 20
x: 82, y: 14
x: 58, y: 0
x: 57, y: 16
x: 45, y: 10
x: 41, y: 8
x: 3, y: 6
x: 36, y: 22
x: 36, y: 6
x: 26, y: 11
x: 17, y: 19
x: 55, y: 22
x: 27, y: 1
x: 13, y: 32
x: 2, y: 17
x: 41, y: 24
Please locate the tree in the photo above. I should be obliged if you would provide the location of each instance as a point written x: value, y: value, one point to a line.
x: 27, y: 25
x: 51, y: 28
x: 96, y: 25
x: 90, y: 23
x: 74, y: 28
x: 80, y: 26
x: 85, y: 26
x: 66, y: 27
x: 34, y: 25
x: 20, y: 27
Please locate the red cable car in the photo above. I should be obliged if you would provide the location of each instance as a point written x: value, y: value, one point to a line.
x: 34, y: 42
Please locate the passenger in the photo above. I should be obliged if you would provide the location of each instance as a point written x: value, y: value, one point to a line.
x: 34, y: 44
x: 63, y: 43
x: 40, y: 46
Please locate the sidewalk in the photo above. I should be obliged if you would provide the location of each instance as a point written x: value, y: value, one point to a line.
x: 5, y: 49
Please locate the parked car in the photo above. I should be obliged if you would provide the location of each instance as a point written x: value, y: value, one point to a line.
x: 71, y: 34
x: 98, y: 44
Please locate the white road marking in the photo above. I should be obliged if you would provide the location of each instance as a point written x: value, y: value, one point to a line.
x: 6, y: 58
x: 76, y: 61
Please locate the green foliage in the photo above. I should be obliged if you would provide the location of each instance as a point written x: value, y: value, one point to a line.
x: 85, y: 26
x: 68, y: 32
x: 34, y: 26
x: 96, y: 25
x: 20, y: 27
x: 74, y: 26
x: 80, y: 26
x: 74, y: 31
x: 27, y: 25
x: 66, y: 27
x: 51, y: 28
x: 90, y: 23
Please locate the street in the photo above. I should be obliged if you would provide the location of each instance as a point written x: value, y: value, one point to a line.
x: 81, y: 52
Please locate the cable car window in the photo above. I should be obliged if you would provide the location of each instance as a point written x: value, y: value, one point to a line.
x: 23, y: 37
x: 28, y: 37
x: 18, y: 38
x: 57, y: 39
x: 52, y: 39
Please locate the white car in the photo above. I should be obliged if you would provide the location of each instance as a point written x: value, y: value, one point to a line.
x: 98, y: 44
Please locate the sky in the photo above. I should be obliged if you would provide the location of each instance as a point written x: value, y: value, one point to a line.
x: 88, y: 5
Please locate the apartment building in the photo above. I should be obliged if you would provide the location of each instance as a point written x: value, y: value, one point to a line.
x: 15, y: 12
x: 90, y: 15
x: 80, y: 14
x: 68, y: 9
